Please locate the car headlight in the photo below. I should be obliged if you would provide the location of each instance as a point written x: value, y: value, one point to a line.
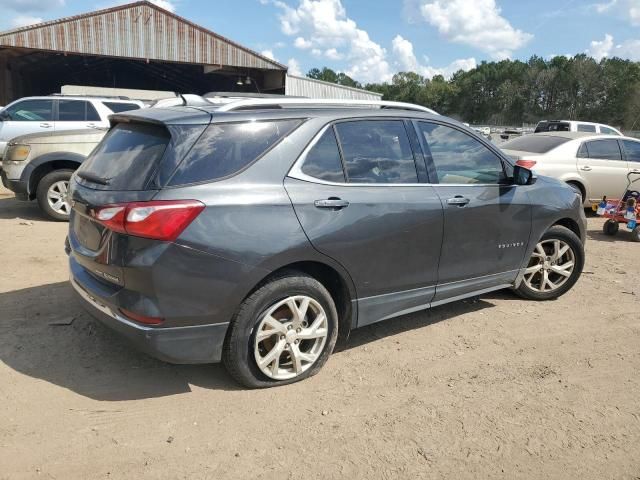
x: 17, y: 153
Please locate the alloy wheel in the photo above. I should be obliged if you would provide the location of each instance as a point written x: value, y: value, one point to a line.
x: 57, y: 197
x: 551, y: 265
x: 290, y: 337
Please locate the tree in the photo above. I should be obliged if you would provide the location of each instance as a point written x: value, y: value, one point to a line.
x: 511, y: 92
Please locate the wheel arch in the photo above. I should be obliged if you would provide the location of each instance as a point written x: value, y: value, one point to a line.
x: 581, y: 185
x: 570, y: 224
x: 41, y: 166
x: 338, y: 284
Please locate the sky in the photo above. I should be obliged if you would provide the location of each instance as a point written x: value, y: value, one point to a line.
x: 371, y: 40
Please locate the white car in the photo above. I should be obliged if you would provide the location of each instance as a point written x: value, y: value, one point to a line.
x: 58, y: 112
x: 594, y: 165
x: 575, y: 126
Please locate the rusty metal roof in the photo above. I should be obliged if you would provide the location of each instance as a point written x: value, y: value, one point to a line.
x: 139, y: 30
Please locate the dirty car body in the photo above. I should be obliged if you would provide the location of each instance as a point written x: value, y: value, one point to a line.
x: 381, y: 248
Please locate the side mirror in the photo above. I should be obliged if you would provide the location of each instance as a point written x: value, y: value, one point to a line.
x: 523, y: 176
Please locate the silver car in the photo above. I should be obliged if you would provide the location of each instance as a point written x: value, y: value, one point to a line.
x: 39, y: 166
x: 593, y: 165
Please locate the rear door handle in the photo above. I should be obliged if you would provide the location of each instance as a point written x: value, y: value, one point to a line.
x: 458, y: 200
x: 45, y: 125
x: 586, y: 168
x: 332, y: 203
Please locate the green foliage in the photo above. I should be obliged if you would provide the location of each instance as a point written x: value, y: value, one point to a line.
x: 511, y: 92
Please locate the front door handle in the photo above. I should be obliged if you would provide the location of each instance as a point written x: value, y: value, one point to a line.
x: 586, y: 168
x: 45, y: 125
x: 332, y: 203
x: 458, y: 201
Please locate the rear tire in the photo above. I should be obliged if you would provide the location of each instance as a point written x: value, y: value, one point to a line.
x: 51, y: 195
x: 635, y: 234
x: 555, y: 265
x: 610, y: 227
x: 254, y: 337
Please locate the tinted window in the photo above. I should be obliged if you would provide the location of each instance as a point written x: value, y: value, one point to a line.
x: 72, y: 111
x: 92, y: 114
x: 534, y: 143
x: 607, y: 131
x: 117, y: 107
x: 323, y: 159
x: 583, y: 127
x: 377, y: 151
x: 126, y: 157
x: 605, y: 149
x: 460, y: 158
x: 226, y: 148
x: 583, y: 152
x: 631, y: 150
x: 30, y: 111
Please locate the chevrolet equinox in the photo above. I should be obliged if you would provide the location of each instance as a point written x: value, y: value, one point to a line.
x: 258, y: 232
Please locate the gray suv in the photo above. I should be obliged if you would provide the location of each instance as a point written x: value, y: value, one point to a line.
x: 258, y: 232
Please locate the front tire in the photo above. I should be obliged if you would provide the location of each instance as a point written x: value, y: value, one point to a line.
x: 283, y: 332
x: 52, y: 194
x: 554, y: 267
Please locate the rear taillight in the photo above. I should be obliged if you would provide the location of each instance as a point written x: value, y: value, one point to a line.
x: 526, y: 163
x: 160, y: 220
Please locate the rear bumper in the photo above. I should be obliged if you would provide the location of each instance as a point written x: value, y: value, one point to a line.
x: 183, y: 345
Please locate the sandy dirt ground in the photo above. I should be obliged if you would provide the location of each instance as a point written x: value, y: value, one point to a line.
x: 500, y: 388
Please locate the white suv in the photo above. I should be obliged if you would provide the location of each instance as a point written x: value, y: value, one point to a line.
x: 58, y: 112
x: 575, y: 126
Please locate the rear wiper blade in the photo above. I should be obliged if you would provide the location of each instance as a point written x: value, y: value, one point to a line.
x: 94, y: 178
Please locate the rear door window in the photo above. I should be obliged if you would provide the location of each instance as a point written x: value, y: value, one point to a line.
x: 631, y: 150
x: 460, y: 158
x: 125, y: 158
x: 604, y: 149
x: 226, y: 148
x: 76, y: 111
x: 377, y: 151
x: 30, y: 111
x: 323, y: 159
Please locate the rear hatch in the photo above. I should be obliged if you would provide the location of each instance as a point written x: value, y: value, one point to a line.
x: 129, y: 165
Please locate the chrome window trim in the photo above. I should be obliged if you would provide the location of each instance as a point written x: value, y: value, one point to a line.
x: 297, y: 173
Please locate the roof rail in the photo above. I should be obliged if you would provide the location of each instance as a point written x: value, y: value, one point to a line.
x: 111, y: 97
x: 257, y: 103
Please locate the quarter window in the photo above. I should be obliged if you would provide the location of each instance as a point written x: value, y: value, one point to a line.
x: 377, y: 151
x: 323, y: 159
x: 604, y: 149
x: 631, y: 150
x: 30, y: 111
x: 460, y: 158
x: 226, y: 148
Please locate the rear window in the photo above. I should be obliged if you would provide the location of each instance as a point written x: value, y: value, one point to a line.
x: 552, y: 127
x: 126, y: 157
x: 534, y: 143
x: 117, y: 107
x: 226, y: 148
